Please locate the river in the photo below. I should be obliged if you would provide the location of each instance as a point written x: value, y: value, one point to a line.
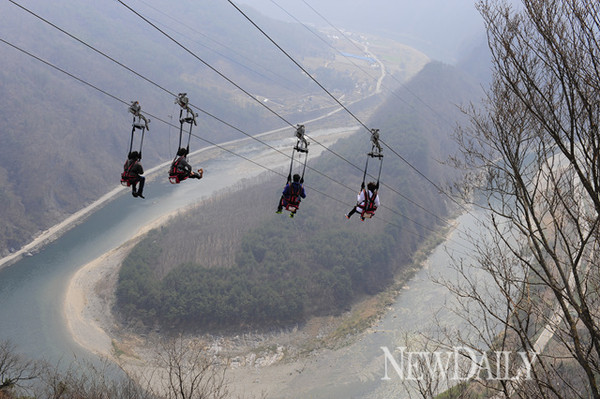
x: 32, y: 291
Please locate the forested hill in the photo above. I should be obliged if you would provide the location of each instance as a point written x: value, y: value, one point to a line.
x: 246, y: 266
x: 63, y: 142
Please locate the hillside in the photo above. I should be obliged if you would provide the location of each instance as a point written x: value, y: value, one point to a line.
x: 64, y: 142
x: 246, y: 266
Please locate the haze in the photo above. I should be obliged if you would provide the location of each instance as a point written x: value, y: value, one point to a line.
x: 441, y: 29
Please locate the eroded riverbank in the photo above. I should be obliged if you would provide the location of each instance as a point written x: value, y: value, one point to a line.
x: 312, y: 360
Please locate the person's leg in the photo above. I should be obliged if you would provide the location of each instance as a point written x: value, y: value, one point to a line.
x: 280, y: 205
x: 140, y: 190
x: 195, y: 175
x: 352, y: 212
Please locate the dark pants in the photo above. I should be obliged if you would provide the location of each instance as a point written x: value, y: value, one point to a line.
x: 280, y: 204
x: 352, y: 212
x: 185, y: 175
x: 138, y: 185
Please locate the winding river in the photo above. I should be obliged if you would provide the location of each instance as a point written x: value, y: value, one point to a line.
x: 32, y: 290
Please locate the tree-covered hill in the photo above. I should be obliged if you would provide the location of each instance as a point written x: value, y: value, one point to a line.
x: 278, y: 270
x: 63, y: 143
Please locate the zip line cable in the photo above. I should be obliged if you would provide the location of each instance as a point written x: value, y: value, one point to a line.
x: 210, y: 142
x: 231, y: 126
x: 277, y: 114
x: 217, y: 118
x: 173, y: 94
x: 63, y: 71
x: 412, y: 93
x: 346, y: 109
x: 297, y: 64
x: 272, y: 111
x: 402, y: 85
x: 246, y: 59
x: 204, y: 62
x: 368, y: 74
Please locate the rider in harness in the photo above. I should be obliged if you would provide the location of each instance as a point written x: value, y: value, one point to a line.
x: 132, y: 174
x: 181, y: 169
x: 291, y: 196
x: 367, y: 202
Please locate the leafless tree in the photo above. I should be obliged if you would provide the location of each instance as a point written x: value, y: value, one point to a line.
x: 187, y: 370
x: 184, y: 370
x: 532, y: 151
x: 100, y: 380
x: 15, y: 370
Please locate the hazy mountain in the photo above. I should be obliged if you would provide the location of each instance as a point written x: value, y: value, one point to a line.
x: 63, y: 142
x: 439, y: 28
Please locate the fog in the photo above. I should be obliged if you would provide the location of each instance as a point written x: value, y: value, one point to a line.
x: 442, y: 29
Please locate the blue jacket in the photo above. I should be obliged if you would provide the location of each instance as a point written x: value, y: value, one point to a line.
x: 293, y: 188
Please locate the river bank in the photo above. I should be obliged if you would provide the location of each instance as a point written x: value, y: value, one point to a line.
x: 89, y: 294
x: 283, y: 364
x: 49, y: 235
x: 276, y: 363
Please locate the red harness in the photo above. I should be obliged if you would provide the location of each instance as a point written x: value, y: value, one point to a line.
x: 293, y: 201
x: 127, y: 177
x: 369, y: 207
x: 176, y: 175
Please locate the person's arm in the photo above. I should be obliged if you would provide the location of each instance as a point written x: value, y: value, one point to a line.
x: 360, y: 198
x: 302, y: 192
x: 286, y: 191
x: 377, y: 201
x: 185, y: 165
x: 138, y: 169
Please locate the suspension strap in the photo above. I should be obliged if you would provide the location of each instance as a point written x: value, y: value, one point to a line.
x: 142, y: 140
x: 189, y: 138
x: 289, y: 178
x: 376, y: 152
x: 304, y: 168
x: 362, y: 185
x: 190, y: 117
x: 301, y: 147
x: 180, y: 128
x: 380, y: 167
x: 136, y: 109
x: 132, y: 133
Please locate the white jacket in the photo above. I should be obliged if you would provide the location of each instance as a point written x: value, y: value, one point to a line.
x: 360, y: 200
